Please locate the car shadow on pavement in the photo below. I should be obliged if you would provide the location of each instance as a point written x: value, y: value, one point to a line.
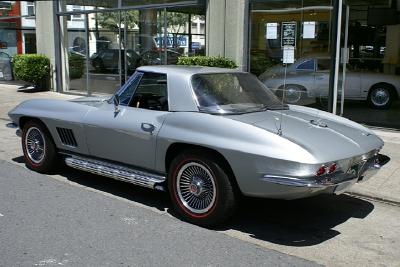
x: 28, y: 90
x: 296, y: 223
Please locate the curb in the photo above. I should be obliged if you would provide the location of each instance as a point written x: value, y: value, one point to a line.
x: 377, y: 199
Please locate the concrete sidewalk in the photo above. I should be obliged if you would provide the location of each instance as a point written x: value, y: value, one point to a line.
x: 383, y: 186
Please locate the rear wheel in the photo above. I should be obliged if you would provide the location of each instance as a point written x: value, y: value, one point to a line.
x: 201, y: 189
x: 38, y: 148
x: 380, y: 96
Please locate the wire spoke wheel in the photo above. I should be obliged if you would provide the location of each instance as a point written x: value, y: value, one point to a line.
x: 202, y: 187
x: 38, y: 146
x: 196, y: 188
x: 34, y: 145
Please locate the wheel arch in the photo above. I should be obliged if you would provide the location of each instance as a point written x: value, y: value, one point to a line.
x: 24, y: 119
x: 177, y: 148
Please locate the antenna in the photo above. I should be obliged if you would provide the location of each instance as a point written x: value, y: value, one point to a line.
x: 288, y: 57
x: 283, y: 100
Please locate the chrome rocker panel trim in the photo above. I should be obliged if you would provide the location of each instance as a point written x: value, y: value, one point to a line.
x: 118, y: 172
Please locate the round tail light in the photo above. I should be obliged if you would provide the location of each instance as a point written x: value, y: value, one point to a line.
x: 332, y: 168
x: 321, y: 170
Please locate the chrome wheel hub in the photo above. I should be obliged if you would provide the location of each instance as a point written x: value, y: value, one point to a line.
x: 34, y: 144
x: 380, y: 97
x: 196, y: 187
x: 292, y: 94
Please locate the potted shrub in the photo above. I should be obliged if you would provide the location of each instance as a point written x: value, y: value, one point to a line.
x: 33, y: 68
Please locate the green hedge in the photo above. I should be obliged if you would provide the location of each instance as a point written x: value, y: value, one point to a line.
x: 33, y: 68
x: 259, y: 63
x: 219, y: 62
x: 76, y: 66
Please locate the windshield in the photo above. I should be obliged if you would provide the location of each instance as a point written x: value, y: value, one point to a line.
x: 232, y: 93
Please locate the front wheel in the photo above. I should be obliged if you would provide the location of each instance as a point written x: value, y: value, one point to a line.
x: 200, y: 189
x: 38, y: 148
x: 292, y: 93
x: 380, y: 96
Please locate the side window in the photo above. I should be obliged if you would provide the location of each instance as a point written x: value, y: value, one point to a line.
x: 151, y: 92
x: 126, y: 96
x: 307, y: 65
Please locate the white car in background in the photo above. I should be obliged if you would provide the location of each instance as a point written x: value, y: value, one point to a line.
x: 308, y: 77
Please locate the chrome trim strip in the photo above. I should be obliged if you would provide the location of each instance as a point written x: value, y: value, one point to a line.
x: 290, y: 181
x: 115, y: 171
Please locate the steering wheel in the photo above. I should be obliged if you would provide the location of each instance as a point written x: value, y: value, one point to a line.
x: 149, y: 101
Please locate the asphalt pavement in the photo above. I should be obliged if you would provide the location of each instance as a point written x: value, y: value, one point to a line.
x: 384, y: 186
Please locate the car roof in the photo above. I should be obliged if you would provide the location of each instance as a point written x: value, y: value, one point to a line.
x: 190, y: 70
x: 180, y: 96
x: 314, y: 55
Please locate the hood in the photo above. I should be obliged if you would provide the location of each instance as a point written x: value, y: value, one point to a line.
x: 91, y: 101
x: 268, y: 73
x: 323, y: 134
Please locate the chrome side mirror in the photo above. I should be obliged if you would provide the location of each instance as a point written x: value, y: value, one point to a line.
x: 116, y: 100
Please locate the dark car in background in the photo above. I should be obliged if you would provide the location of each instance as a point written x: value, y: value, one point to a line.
x: 6, y: 66
x: 107, y: 60
x: 157, y: 57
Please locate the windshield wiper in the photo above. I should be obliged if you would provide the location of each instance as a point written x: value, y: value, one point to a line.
x: 278, y: 107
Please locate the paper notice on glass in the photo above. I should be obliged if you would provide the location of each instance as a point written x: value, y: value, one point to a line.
x: 309, y: 30
x: 288, y: 54
x: 272, y: 30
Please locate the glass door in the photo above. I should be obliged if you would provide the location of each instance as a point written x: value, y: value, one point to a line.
x: 291, y: 50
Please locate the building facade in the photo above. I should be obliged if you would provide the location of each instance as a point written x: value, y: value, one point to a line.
x: 113, y: 38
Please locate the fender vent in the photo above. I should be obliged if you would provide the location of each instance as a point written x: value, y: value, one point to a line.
x: 67, y: 137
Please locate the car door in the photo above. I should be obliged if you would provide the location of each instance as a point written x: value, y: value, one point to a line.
x: 129, y: 135
x: 110, y: 58
x: 322, y: 72
x: 321, y: 77
x: 303, y: 75
x: 353, y: 82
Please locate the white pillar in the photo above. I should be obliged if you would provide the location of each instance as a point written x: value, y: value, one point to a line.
x: 45, y: 34
x: 227, y: 30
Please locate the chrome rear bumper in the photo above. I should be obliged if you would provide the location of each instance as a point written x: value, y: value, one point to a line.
x: 341, y: 180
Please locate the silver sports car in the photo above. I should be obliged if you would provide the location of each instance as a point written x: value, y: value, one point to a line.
x: 308, y: 77
x: 205, y: 135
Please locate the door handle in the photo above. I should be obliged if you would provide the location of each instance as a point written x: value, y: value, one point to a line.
x: 148, y: 127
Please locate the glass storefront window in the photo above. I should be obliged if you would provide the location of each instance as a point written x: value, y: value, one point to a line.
x: 290, y: 51
x: 126, y: 3
x: 113, y: 44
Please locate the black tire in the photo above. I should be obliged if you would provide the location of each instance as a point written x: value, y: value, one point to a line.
x: 7, y: 73
x: 380, y: 96
x: 200, y: 188
x: 38, y: 147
